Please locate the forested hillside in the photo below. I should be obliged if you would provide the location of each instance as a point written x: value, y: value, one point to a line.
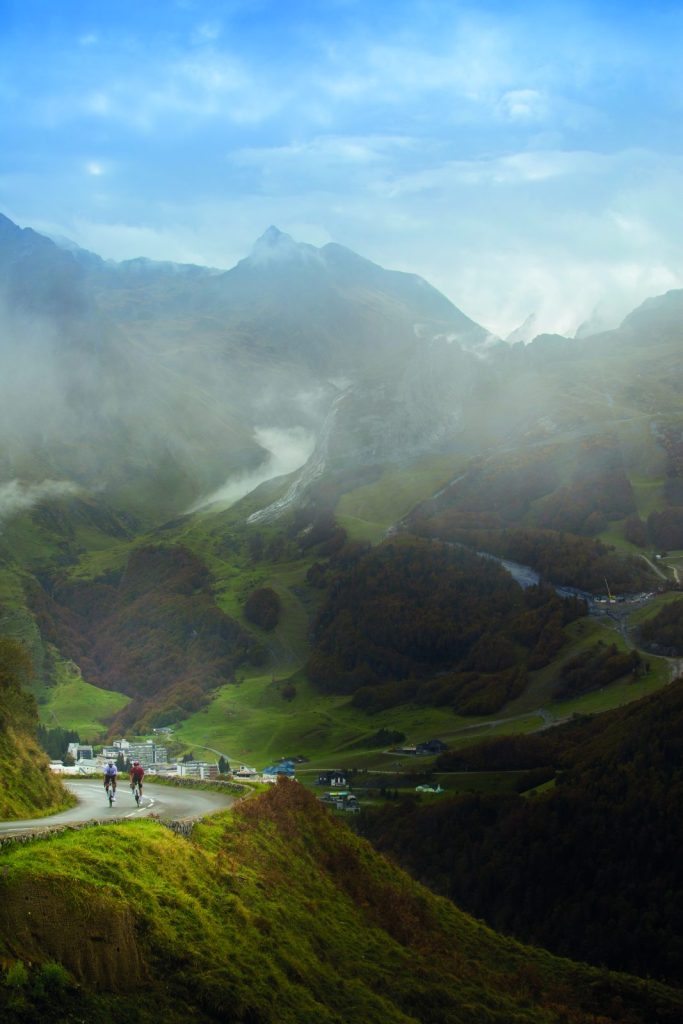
x: 545, y: 508
x: 153, y: 631
x: 274, y: 913
x: 435, y: 624
x: 566, y: 559
x: 589, y: 869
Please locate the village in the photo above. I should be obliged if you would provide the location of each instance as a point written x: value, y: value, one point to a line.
x: 83, y: 759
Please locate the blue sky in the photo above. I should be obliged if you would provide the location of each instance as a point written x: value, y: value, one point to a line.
x: 522, y: 157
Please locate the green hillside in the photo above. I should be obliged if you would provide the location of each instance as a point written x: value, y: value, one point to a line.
x: 72, y: 703
x: 271, y: 914
x: 589, y: 865
x: 28, y: 788
x: 101, y: 629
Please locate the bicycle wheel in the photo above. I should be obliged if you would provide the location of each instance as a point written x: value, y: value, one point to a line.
x: 137, y: 795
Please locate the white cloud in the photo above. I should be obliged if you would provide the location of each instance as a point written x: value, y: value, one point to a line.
x: 98, y: 103
x: 207, y: 32
x: 501, y: 289
x: 329, y: 149
x: 16, y: 496
x: 523, y: 105
x: 212, y: 75
x: 509, y: 169
x: 120, y: 241
x: 207, y: 85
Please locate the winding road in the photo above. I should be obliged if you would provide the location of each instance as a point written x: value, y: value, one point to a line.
x: 158, y: 801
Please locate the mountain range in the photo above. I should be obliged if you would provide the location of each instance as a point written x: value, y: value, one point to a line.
x: 151, y: 383
x: 146, y: 379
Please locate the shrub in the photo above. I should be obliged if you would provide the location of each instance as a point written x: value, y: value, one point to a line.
x: 16, y: 975
x: 263, y: 608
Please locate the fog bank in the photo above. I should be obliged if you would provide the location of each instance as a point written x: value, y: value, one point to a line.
x: 289, y: 449
x: 16, y: 496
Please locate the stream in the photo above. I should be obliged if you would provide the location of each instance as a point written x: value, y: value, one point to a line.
x: 528, y: 577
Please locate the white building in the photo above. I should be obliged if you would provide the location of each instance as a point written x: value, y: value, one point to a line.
x: 116, y: 748
x: 147, y: 753
x: 82, y: 767
x: 88, y: 766
x: 197, y: 769
x: 80, y: 750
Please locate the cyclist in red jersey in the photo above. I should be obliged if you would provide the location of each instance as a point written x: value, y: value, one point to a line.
x: 137, y: 774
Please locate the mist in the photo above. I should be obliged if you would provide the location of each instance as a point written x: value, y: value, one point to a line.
x: 16, y: 496
x: 167, y: 391
x: 33, y: 392
x: 288, y: 450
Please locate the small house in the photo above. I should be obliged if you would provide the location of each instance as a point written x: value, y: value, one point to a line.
x: 281, y: 768
x: 333, y: 777
x: 431, y: 747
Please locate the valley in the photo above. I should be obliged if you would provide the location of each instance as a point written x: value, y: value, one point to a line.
x: 481, y: 549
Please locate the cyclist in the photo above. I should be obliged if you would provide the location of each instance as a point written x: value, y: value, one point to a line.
x: 137, y: 774
x: 110, y: 773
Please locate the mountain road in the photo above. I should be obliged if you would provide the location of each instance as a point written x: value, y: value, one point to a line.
x: 158, y: 801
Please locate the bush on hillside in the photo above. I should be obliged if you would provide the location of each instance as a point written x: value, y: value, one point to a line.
x: 635, y: 532
x: 594, y: 668
x: 263, y: 608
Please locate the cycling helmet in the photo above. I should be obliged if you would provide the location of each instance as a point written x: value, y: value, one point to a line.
x: 136, y: 764
x: 110, y: 761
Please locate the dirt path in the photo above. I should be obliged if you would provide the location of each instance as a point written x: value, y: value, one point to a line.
x: 655, y: 568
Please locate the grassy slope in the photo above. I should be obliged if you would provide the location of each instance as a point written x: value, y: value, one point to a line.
x: 29, y: 789
x: 252, y: 723
x: 367, y: 512
x: 583, y: 634
x: 274, y: 913
x: 73, y: 703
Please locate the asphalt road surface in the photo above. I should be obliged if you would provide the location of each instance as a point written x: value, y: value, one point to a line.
x: 162, y: 801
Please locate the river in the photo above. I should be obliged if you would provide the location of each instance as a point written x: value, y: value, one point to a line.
x: 528, y: 577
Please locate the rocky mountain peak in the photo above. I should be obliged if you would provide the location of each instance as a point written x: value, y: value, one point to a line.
x: 275, y: 246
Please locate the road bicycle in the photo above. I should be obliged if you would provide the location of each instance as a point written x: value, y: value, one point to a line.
x: 137, y: 792
x: 111, y: 792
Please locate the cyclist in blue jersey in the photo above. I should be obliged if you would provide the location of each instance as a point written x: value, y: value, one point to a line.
x: 110, y: 773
